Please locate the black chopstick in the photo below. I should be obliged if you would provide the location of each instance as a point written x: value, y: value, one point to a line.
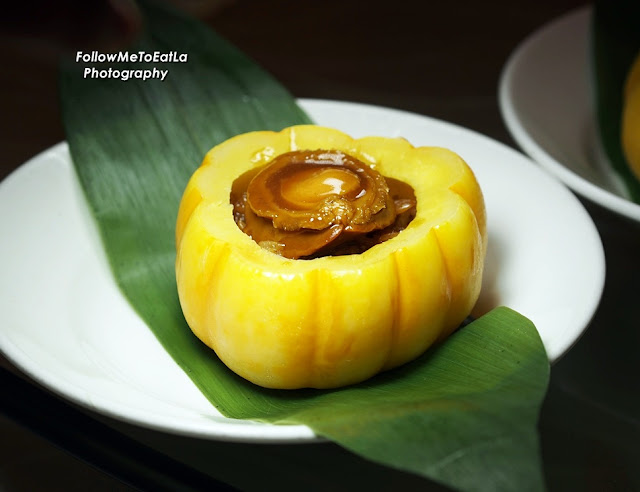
x: 95, y: 443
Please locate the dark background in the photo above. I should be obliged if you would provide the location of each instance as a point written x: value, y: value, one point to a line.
x: 441, y: 59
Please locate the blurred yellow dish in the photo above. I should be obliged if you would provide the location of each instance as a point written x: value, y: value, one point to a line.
x: 631, y: 118
x: 333, y: 320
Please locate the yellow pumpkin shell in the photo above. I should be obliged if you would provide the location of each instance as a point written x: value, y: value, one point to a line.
x: 631, y: 118
x: 330, y: 321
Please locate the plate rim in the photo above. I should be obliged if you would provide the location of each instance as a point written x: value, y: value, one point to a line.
x: 269, y: 433
x: 536, y: 151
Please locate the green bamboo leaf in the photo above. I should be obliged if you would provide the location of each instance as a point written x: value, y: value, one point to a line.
x: 464, y: 414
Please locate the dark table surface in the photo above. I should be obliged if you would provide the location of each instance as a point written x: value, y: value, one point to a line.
x: 442, y: 60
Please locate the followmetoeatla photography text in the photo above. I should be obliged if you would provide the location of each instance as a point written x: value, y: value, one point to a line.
x: 95, y: 60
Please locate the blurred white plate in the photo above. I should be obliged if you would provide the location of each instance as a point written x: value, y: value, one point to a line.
x: 65, y: 323
x: 546, y: 103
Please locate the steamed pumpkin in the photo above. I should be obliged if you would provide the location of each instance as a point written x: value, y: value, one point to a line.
x: 307, y: 258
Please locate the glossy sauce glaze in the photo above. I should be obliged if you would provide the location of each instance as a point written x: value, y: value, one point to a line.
x: 307, y: 204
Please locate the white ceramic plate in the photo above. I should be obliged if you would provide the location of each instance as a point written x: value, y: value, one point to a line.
x: 65, y: 323
x: 546, y: 103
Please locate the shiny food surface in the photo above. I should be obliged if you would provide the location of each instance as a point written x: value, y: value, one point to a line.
x: 335, y: 319
x: 319, y: 203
